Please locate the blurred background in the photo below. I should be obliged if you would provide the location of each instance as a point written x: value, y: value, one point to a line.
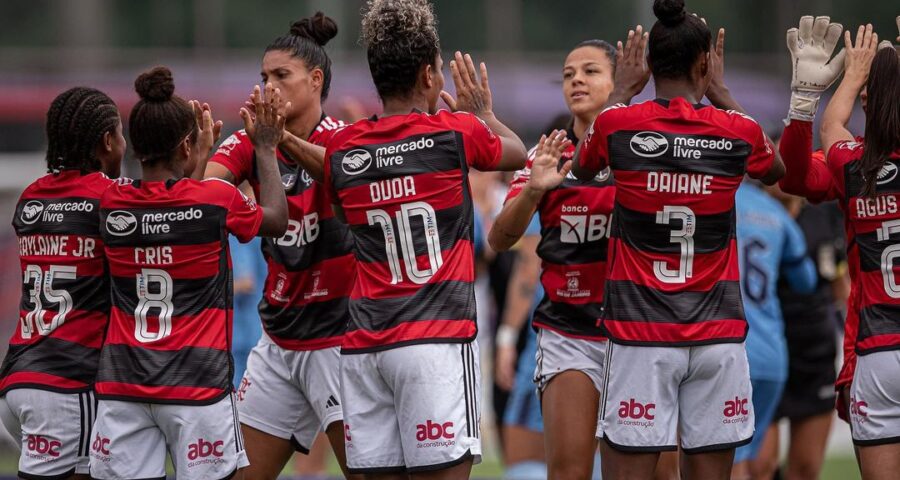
x: 214, y: 48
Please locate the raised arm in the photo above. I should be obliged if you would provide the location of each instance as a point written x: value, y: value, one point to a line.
x: 546, y: 174
x: 264, y: 130
x: 857, y: 63
x: 632, y: 75
x: 475, y: 97
x: 813, y: 71
x: 719, y: 95
x: 208, y: 132
x: 310, y: 156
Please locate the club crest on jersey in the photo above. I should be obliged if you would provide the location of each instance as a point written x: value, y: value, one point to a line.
x: 31, y: 212
x: 887, y: 173
x: 289, y: 180
x: 120, y: 223
x: 649, y: 144
x: 356, y: 162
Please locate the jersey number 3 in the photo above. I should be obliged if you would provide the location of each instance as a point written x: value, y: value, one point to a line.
x: 684, y: 237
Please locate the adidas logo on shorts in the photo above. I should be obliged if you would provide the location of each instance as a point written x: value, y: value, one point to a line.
x: 332, y: 402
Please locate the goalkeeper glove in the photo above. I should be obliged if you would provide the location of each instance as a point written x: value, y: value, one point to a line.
x: 811, y: 47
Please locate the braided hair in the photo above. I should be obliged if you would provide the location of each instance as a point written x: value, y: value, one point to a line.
x: 76, y: 122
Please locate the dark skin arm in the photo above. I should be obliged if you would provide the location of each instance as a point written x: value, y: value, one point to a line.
x: 208, y: 132
x: 632, y: 75
x: 264, y: 130
x: 720, y: 96
x: 475, y: 97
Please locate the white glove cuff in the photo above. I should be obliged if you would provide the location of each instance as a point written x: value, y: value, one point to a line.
x: 804, y: 105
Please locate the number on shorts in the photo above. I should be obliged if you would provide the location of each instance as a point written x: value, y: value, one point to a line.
x: 43, y: 283
x: 407, y: 246
x: 888, y: 257
x: 684, y: 236
x: 148, y: 300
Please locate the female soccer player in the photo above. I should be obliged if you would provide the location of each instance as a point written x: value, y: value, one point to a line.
x: 164, y: 379
x: 409, y: 367
x: 865, y: 178
x: 575, y: 223
x: 676, y: 368
x: 46, y: 377
x: 291, y: 390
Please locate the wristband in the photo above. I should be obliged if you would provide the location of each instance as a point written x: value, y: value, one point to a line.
x: 507, y: 336
x: 804, y: 104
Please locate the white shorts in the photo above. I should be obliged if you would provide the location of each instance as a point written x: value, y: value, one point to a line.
x: 875, y: 399
x: 131, y: 440
x: 653, y: 394
x: 53, y: 430
x: 558, y: 353
x: 412, y: 409
x: 292, y: 395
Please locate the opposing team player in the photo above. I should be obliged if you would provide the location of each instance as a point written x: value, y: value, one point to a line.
x: 575, y: 224
x: 291, y: 390
x: 409, y: 365
x: 164, y: 379
x: 51, y: 364
x: 676, y: 368
x: 865, y: 177
x: 770, y: 246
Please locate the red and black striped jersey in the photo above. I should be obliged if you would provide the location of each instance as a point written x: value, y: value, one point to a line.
x: 673, y: 274
x: 305, y: 299
x: 169, y: 335
x: 64, y: 308
x: 402, y: 184
x: 575, y: 225
x: 873, y: 245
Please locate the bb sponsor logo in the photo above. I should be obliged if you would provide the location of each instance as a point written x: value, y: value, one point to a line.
x: 40, y: 446
x: 356, y: 162
x: 100, y: 445
x: 31, y: 212
x: 582, y: 228
x: 736, y: 411
x: 435, y: 434
x: 648, y: 144
x: 121, y: 223
x: 887, y: 173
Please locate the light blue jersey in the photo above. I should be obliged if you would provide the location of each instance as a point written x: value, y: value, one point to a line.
x: 770, y: 244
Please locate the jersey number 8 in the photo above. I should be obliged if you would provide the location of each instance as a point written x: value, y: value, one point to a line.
x: 147, y: 300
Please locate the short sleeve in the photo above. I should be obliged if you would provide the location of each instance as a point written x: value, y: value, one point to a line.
x: 520, y: 178
x: 236, y: 154
x: 594, y: 153
x: 762, y: 154
x: 244, y: 216
x: 483, y: 148
x: 837, y: 157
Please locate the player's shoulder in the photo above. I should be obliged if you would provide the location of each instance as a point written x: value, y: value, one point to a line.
x: 236, y: 141
x: 739, y: 123
x: 325, y: 130
x: 844, y: 152
x: 213, y: 186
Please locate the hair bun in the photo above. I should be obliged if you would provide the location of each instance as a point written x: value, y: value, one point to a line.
x: 156, y: 85
x: 669, y: 12
x: 319, y: 28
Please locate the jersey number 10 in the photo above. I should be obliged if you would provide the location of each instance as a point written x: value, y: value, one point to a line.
x: 407, y: 246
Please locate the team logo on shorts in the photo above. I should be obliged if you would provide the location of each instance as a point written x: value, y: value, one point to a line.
x: 31, y: 212
x: 888, y: 172
x: 649, y: 144
x: 120, y: 223
x: 356, y: 162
